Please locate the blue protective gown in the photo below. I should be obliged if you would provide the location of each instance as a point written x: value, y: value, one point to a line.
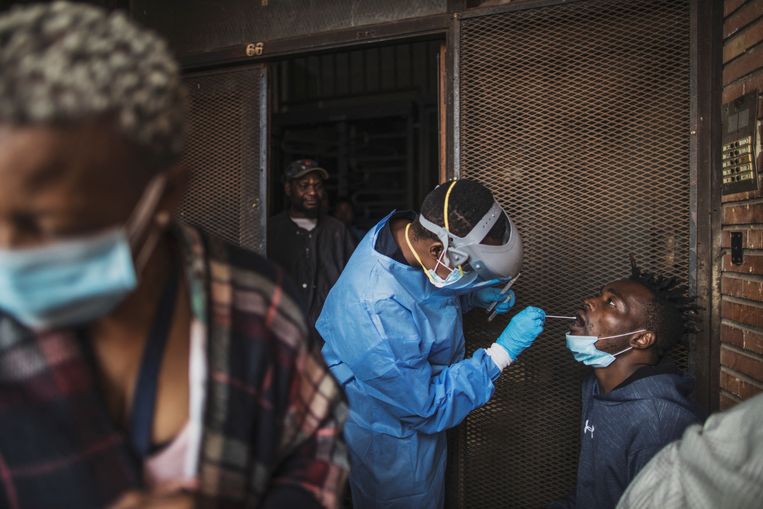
x: 396, y: 345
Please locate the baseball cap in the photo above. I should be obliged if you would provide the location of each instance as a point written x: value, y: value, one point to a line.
x: 302, y: 167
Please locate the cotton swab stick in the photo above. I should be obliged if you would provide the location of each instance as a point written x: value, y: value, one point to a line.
x: 503, y: 292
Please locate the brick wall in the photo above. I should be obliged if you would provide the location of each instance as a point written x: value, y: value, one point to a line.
x: 741, y: 374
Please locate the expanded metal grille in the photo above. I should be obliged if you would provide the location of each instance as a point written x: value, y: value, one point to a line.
x: 225, y: 155
x: 577, y: 116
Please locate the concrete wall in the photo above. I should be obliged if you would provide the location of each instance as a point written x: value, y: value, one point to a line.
x: 741, y: 373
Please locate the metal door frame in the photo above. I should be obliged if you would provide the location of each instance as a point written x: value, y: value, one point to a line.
x: 705, y: 174
x: 408, y: 29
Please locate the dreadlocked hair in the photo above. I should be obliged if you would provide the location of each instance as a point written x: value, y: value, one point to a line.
x: 672, y: 314
x: 469, y: 202
x: 63, y: 63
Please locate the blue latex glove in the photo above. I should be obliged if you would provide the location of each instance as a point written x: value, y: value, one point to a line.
x: 484, y: 297
x: 522, y: 331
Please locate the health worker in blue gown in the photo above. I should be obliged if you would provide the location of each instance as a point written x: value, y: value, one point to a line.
x: 394, y: 338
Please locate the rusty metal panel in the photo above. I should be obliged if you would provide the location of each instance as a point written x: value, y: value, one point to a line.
x: 577, y: 115
x: 227, y: 155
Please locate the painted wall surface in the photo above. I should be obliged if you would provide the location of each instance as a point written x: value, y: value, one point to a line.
x: 741, y: 373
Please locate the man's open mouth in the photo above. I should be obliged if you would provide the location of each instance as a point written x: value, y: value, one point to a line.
x: 580, y: 322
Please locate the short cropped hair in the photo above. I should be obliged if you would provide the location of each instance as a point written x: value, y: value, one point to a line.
x: 672, y: 313
x: 469, y: 202
x: 62, y: 62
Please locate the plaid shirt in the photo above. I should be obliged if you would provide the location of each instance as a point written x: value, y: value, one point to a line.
x: 272, y: 417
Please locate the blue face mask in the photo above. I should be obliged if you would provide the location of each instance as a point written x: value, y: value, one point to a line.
x: 68, y: 282
x: 585, y: 351
x: 77, y: 280
x: 455, y: 278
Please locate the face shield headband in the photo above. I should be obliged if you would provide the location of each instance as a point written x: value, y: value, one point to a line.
x: 490, y: 262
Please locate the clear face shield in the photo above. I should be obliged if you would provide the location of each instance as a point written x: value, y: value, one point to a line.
x: 477, y: 261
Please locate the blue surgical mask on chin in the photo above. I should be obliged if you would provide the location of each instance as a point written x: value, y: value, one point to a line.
x: 75, y: 281
x: 584, y: 350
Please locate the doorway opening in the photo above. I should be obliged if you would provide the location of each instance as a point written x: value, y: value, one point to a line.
x: 369, y: 116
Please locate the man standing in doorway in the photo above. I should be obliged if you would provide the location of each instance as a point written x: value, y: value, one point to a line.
x: 312, y: 246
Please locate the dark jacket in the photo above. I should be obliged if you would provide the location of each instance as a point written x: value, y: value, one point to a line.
x: 622, y: 430
x: 314, y: 259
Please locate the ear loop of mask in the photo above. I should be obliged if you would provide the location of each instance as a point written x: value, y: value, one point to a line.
x: 141, y: 218
x: 621, y: 335
x: 416, y: 255
x: 447, y: 228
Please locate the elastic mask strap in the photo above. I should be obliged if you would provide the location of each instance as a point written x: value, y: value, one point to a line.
x: 621, y: 335
x: 447, y: 199
x: 416, y: 255
x: 447, y: 225
x: 145, y: 208
x: 439, y: 262
x: 624, y: 334
x: 141, y: 218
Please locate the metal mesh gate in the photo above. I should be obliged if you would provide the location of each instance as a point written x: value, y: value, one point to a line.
x: 577, y: 116
x: 226, y: 152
